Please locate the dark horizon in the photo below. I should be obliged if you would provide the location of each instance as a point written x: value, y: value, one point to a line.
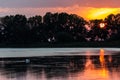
x: 56, y: 28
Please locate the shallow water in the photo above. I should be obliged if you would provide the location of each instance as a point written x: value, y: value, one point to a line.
x: 60, y: 64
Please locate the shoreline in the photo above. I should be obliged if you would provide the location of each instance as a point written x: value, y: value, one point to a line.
x: 63, y: 45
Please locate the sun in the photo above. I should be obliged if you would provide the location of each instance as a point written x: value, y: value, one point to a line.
x: 102, y: 25
x: 101, y: 13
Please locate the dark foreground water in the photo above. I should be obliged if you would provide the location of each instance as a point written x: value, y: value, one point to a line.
x: 100, y: 64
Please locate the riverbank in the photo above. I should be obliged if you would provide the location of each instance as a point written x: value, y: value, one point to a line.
x: 114, y: 44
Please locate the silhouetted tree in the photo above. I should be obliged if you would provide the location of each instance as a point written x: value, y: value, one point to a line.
x: 35, y: 21
x: 57, y: 27
x: 8, y: 22
x: 64, y: 37
x: 16, y: 28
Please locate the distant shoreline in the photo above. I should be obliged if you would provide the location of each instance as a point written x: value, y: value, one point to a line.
x: 63, y: 45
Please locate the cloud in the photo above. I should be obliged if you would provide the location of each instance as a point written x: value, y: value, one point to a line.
x: 58, y: 3
x: 86, y: 12
x: 41, y: 11
x: 36, y: 3
x: 4, y: 10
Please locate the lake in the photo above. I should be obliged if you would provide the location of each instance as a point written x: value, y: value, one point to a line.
x: 59, y: 64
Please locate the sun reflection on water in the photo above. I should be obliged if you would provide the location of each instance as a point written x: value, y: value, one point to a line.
x: 91, y: 72
x: 101, y: 58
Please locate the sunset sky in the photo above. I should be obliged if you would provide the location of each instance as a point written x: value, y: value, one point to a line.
x: 89, y: 9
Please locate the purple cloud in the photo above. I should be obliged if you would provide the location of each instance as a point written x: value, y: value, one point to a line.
x: 58, y: 3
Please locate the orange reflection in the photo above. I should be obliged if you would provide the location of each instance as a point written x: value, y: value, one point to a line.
x: 110, y: 58
x: 101, y: 72
x: 88, y: 64
x: 101, y: 58
x: 92, y: 72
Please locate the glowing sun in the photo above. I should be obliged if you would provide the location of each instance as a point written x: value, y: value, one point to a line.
x: 102, y: 25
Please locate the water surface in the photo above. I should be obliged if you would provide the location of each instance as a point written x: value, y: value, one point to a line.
x: 60, y: 64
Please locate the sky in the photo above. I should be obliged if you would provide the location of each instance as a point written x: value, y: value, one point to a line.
x: 89, y: 9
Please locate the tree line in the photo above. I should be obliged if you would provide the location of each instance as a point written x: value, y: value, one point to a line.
x: 58, y: 28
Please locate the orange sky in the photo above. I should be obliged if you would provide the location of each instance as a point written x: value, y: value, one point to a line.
x: 89, y: 9
x: 91, y: 12
x: 86, y: 12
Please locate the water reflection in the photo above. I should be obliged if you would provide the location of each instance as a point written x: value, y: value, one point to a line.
x: 83, y: 67
x: 92, y: 72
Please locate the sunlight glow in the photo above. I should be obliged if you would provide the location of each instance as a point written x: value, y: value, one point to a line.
x: 102, y: 25
x: 101, y: 13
